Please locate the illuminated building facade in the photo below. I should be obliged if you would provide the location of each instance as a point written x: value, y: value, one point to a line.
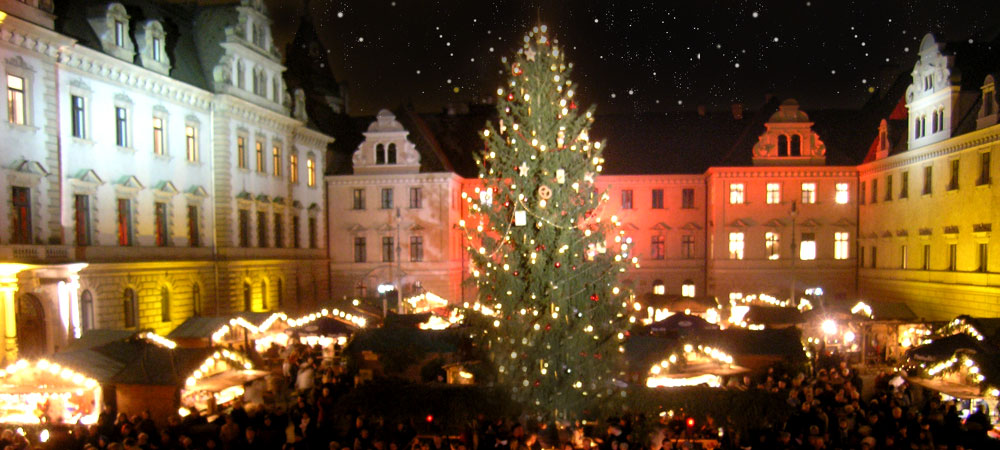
x: 928, y: 189
x: 155, y: 168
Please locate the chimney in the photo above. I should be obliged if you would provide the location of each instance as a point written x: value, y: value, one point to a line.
x: 701, y: 110
x: 737, y: 111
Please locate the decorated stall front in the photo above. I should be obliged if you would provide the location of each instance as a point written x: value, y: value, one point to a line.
x: 962, y: 367
x: 239, y: 331
x: 147, y: 372
x: 44, y: 392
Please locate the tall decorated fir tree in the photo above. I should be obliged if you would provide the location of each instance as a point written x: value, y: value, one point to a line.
x: 546, y: 273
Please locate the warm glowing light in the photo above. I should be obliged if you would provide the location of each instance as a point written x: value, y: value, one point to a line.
x: 829, y: 327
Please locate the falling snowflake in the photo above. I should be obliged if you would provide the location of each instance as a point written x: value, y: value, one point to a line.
x: 755, y: 14
x: 340, y: 14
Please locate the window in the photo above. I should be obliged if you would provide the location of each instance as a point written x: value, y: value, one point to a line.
x: 78, y: 116
x: 736, y: 194
x: 903, y: 256
x: 259, y: 151
x: 736, y: 245
x: 771, y: 240
x: 247, y: 297
x: 387, y: 249
x: 160, y: 223
x: 687, y: 199
x: 687, y: 289
x: 86, y: 311
x: 888, y: 188
x: 241, y: 152
x: 840, y: 245
x: 861, y: 256
x: 656, y: 250
x: 360, y: 252
x: 196, y: 299
x: 808, y: 193
x: 296, y: 233
x: 416, y: 248
x: 312, y: 233
x: 926, y: 263
x: 392, y: 154
x: 904, y: 185
x: 311, y: 172
x: 934, y: 122
x: 687, y: 246
x: 191, y: 143
x: 380, y: 154
x: 81, y: 212
x: 807, y: 248
x: 130, y: 308
x: 194, y: 232
x: 121, y: 126
x: 293, y: 168
x: 164, y: 304
x: 241, y: 76
x: 244, y: 220
x: 359, y: 199
x: 659, y: 288
x: 842, y: 194
x: 261, y: 229
x: 874, y: 197
x: 953, y: 182
x: 984, y: 257
x: 119, y: 33
x: 939, y: 118
x: 657, y: 198
x: 276, y: 161
x: 796, y: 149
x: 159, y: 148
x: 263, y: 295
x: 928, y: 171
x: 17, y: 110
x: 626, y: 199
x: 773, y: 193
x: 782, y: 145
x: 156, y: 49
x: 279, y: 230
x: 386, y: 198
x: 22, y: 229
x: 124, y: 222
x: 861, y: 193
x: 984, y: 169
x: 416, y: 197
x: 874, y: 256
x: 952, y: 257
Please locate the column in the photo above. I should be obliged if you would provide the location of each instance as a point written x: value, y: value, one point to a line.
x: 8, y: 289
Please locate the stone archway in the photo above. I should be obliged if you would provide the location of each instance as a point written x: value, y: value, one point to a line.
x: 30, y: 319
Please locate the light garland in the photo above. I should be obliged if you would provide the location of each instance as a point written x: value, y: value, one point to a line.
x: 863, y: 308
x: 960, y: 325
x: 158, y: 340
x: 233, y: 359
x: 21, y: 403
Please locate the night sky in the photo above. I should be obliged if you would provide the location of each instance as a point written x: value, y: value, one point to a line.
x: 632, y: 56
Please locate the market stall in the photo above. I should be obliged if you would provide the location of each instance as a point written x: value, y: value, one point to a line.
x: 238, y: 331
x: 37, y: 392
x: 960, y: 367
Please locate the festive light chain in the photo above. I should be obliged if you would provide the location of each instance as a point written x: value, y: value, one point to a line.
x: 863, y: 308
x: 158, y: 340
x: 914, y: 336
x: 43, y: 365
x: 219, y: 334
x: 232, y: 359
x: 960, y: 325
x: 658, y: 378
x: 355, y: 319
x: 957, y: 362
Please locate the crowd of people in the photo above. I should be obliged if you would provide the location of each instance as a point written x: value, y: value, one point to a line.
x: 300, y: 413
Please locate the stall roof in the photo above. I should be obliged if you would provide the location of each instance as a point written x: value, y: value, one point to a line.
x: 679, y: 323
x: 891, y: 311
x: 220, y: 381
x: 945, y: 387
x: 678, y: 302
x: 198, y: 327
x: 97, y: 338
x: 645, y: 350
x: 135, y: 360
x: 773, y: 315
x: 324, y: 326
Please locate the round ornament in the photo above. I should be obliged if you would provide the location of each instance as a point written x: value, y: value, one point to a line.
x: 544, y: 192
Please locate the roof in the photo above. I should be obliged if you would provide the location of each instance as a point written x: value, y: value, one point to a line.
x: 773, y: 316
x: 394, y: 339
x: 198, y: 327
x: 642, y: 351
x: 97, y: 338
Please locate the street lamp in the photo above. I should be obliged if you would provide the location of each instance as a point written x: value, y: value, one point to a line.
x: 795, y: 252
x: 383, y: 291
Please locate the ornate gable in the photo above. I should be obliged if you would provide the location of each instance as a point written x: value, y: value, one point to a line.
x: 111, y: 25
x: 151, y: 40
x: 386, y: 148
x: 789, y: 139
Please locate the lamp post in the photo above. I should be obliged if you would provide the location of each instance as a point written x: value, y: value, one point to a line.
x: 399, y: 268
x: 791, y: 295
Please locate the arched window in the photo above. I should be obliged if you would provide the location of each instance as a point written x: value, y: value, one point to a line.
x: 164, y: 304
x: 782, y: 145
x: 86, y: 311
x: 130, y: 309
x: 659, y: 288
x: 392, y: 153
x: 241, y: 75
x: 380, y: 154
x: 796, y: 145
x: 281, y: 293
x: 196, y: 299
x: 247, y: 299
x: 934, y: 122
x: 263, y: 295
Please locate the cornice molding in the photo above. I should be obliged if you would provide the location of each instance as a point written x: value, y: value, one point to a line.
x: 31, y: 37
x: 385, y: 180
x: 946, y: 147
x: 103, y: 66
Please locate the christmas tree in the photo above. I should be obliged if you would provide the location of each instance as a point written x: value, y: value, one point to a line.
x: 555, y: 317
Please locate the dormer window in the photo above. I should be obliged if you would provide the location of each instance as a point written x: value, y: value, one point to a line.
x: 380, y: 154
x: 782, y: 145
x: 796, y: 145
x: 392, y: 153
x: 120, y: 33
x: 928, y: 83
x: 988, y: 102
